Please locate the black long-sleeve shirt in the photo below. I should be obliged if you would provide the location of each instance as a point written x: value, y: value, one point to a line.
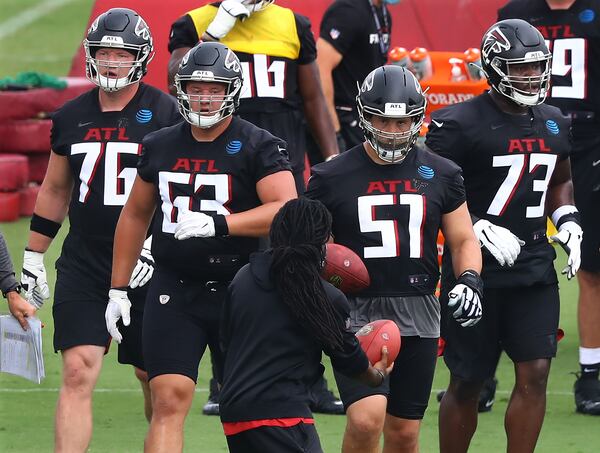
x: 7, y: 273
x: 270, y: 359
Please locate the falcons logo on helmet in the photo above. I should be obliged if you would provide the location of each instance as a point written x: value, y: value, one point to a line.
x: 495, y: 42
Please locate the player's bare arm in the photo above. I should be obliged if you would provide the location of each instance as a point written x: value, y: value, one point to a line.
x: 53, y: 199
x: 131, y: 230
x: 327, y: 59
x: 461, y: 240
x: 273, y: 191
x: 560, y: 188
x: 316, y: 110
x: 173, y: 66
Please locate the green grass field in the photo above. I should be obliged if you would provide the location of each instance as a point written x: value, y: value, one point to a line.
x: 27, y: 410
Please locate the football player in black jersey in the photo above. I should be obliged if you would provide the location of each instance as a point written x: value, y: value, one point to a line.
x: 571, y: 28
x: 96, y: 139
x: 278, y: 56
x: 215, y: 182
x: 389, y: 198
x: 514, y: 152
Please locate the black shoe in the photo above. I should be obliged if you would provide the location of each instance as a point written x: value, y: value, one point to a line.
x: 212, y: 405
x: 487, y: 395
x: 324, y: 401
x: 327, y: 403
x: 587, y: 396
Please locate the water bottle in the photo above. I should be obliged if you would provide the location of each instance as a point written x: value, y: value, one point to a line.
x: 399, y: 57
x: 421, y: 63
x: 473, y: 62
x: 457, y: 73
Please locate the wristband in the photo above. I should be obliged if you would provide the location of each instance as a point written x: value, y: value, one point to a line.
x: 565, y: 213
x: 44, y: 226
x: 380, y: 374
x: 16, y: 287
x: 473, y: 280
x: 221, y: 227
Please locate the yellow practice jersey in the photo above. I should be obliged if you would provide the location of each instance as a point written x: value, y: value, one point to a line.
x: 270, y: 45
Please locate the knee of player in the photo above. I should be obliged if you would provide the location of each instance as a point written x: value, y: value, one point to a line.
x: 368, y: 421
x: 79, y: 378
x: 401, y: 433
x: 532, y: 377
x: 464, y: 391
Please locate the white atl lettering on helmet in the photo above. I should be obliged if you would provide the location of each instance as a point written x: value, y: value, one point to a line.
x: 394, y: 108
x: 108, y: 39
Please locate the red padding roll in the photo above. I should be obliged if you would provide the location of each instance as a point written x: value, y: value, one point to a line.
x: 38, y: 163
x: 25, y: 136
x: 9, y: 206
x: 28, y: 195
x: 14, y: 172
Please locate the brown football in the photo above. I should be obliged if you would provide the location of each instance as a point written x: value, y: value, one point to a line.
x: 345, y: 270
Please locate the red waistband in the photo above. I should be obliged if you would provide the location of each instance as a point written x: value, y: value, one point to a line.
x: 232, y: 428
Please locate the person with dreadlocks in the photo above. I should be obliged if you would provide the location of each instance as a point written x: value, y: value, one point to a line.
x: 278, y: 317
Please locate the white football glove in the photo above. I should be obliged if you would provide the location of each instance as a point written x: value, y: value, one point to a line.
x: 225, y: 19
x: 467, y: 305
x: 194, y: 225
x: 569, y: 236
x: 144, y: 269
x: 33, y: 278
x: 465, y: 299
x: 500, y: 242
x: 118, y: 307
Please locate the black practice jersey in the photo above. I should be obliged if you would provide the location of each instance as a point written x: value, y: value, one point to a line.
x: 270, y: 45
x: 217, y: 177
x: 573, y: 36
x: 390, y: 215
x: 361, y: 33
x: 507, y: 163
x: 103, y: 149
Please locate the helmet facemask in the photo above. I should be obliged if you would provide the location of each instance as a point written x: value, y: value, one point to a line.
x: 142, y: 52
x: 522, y: 89
x: 95, y: 67
x: 391, y: 147
x: 190, y: 105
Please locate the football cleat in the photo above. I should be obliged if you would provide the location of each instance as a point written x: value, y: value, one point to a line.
x: 587, y: 396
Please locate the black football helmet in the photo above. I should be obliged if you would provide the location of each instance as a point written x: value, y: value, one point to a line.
x: 392, y: 92
x: 516, y: 42
x: 209, y: 62
x: 119, y: 28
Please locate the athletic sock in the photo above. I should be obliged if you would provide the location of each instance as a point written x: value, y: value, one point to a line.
x: 589, y: 360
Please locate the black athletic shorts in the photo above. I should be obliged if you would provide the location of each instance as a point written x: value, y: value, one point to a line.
x: 301, y: 438
x: 521, y: 321
x: 130, y: 348
x: 585, y: 166
x: 181, y: 318
x: 409, y: 385
x: 78, y: 312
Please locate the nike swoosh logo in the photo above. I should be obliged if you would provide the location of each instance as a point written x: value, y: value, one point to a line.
x: 589, y: 370
x: 489, y: 403
x: 84, y: 124
x: 496, y: 126
x: 595, y: 163
x: 437, y: 123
